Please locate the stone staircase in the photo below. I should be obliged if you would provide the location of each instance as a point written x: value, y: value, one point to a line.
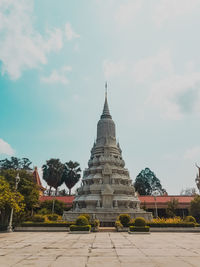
x: 107, y: 229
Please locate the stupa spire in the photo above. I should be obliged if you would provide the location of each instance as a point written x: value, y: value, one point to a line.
x: 106, y: 112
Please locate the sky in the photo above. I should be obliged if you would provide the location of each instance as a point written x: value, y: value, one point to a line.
x: 55, y: 57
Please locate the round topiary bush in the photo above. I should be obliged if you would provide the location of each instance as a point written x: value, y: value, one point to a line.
x: 82, y: 220
x: 190, y: 219
x: 140, y: 221
x: 86, y: 216
x: 38, y: 218
x: 125, y: 219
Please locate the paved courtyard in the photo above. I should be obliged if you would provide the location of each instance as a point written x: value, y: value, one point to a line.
x: 99, y: 249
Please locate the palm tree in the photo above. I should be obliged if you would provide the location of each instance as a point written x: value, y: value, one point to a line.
x: 71, y: 174
x: 52, y: 173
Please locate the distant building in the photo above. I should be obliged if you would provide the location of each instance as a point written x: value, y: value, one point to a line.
x: 151, y: 203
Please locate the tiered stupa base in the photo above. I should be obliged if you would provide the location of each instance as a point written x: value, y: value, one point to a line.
x: 107, y: 218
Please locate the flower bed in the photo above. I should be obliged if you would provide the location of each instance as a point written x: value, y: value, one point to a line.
x: 46, y: 224
x: 178, y: 224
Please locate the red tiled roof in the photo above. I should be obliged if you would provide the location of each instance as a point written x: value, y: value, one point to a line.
x: 37, y: 178
x: 65, y: 199
x: 164, y: 199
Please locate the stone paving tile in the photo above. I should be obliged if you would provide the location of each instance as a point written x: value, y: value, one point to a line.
x: 171, y: 261
x: 69, y: 261
x: 99, y: 249
x: 129, y: 252
x: 168, y: 252
x: 103, y: 261
x: 11, y: 260
x: 102, y: 251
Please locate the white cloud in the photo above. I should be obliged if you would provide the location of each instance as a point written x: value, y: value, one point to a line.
x: 21, y: 46
x: 58, y: 76
x: 126, y: 12
x: 150, y: 66
x: 193, y: 154
x: 171, y: 9
x: 176, y: 95
x: 70, y: 33
x: 5, y: 148
x: 111, y: 68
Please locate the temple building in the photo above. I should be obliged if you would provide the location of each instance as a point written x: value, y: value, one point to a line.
x: 38, y: 182
x: 106, y: 190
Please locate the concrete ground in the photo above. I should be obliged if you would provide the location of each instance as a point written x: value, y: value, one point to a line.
x: 99, y: 249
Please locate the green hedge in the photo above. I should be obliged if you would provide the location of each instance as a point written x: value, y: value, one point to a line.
x: 3, y: 228
x: 49, y: 224
x: 139, y: 228
x: 124, y: 219
x: 80, y: 228
x: 182, y: 224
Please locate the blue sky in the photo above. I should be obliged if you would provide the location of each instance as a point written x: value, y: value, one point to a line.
x: 55, y: 57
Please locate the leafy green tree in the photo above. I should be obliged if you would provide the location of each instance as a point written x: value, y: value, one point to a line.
x: 195, y: 207
x: 46, y: 206
x: 71, y: 174
x: 52, y: 173
x: 171, y: 208
x: 16, y: 164
x: 146, y: 183
x: 26, y: 187
x: 9, y: 199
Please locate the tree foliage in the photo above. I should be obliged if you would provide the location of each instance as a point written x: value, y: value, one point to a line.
x: 71, y: 174
x: 52, y: 173
x: 15, y: 164
x: 9, y: 199
x: 46, y: 206
x: 195, y: 207
x: 26, y: 187
x: 171, y: 208
x: 146, y: 183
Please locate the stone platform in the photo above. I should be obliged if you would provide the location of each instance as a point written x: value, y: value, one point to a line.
x: 107, y: 218
x: 99, y: 249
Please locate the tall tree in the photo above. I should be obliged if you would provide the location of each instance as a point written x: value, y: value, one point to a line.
x: 15, y: 163
x: 52, y: 173
x: 71, y: 174
x: 172, y: 207
x: 146, y: 183
x: 195, y: 207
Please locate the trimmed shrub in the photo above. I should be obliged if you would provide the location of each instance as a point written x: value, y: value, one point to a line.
x: 80, y: 228
x: 82, y: 220
x: 140, y: 222
x: 118, y: 225
x: 139, y: 228
x: 53, y: 217
x: 190, y: 219
x: 38, y: 218
x: 3, y: 228
x: 86, y: 216
x: 132, y: 222
x: 124, y: 219
x: 95, y: 223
